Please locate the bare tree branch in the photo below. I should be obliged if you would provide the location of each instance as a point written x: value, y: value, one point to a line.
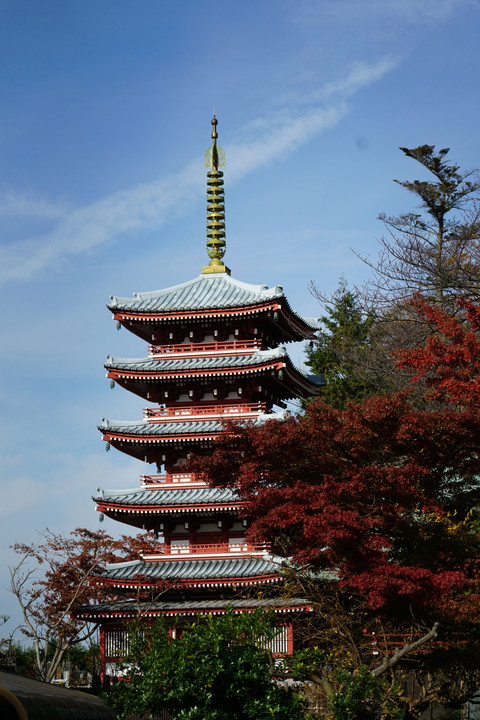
x: 390, y: 662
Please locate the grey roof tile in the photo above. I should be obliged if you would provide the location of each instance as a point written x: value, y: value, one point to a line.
x: 166, y: 496
x: 214, y: 291
x: 223, y: 362
x: 194, y: 606
x: 163, y: 428
x: 191, y: 427
x: 192, y: 569
x: 186, y: 362
x: 205, y: 291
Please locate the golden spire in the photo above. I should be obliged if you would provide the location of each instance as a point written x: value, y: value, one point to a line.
x: 216, y: 245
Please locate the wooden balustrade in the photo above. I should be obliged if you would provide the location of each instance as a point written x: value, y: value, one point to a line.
x: 185, y: 412
x: 207, y: 347
x: 168, y: 478
x: 210, y: 548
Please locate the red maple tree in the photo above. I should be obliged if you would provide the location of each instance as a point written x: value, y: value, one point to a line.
x: 449, y: 362
x: 52, y: 577
x: 379, y: 494
x: 377, y: 502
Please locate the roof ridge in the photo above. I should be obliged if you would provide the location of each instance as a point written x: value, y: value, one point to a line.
x: 275, y: 291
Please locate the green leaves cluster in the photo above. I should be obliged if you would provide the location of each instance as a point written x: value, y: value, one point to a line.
x: 450, y: 189
x: 340, y: 347
x: 218, y: 669
x: 434, y: 251
x: 361, y: 696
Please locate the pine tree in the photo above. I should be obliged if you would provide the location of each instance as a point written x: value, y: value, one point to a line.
x: 340, y: 347
x: 434, y: 251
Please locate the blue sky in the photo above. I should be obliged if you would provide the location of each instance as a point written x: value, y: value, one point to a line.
x: 105, y: 119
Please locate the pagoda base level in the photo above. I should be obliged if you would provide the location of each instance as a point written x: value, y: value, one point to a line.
x: 130, y: 609
x: 114, y: 618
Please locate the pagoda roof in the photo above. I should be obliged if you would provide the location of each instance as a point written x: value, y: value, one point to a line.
x: 131, y: 608
x: 135, y: 438
x: 141, y: 438
x: 145, y: 429
x: 207, y: 294
x: 187, y: 363
x: 187, y: 427
x: 166, y: 497
x: 191, y: 571
x: 135, y: 373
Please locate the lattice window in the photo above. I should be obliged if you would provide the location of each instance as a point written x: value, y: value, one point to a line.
x: 117, y: 643
x: 279, y: 644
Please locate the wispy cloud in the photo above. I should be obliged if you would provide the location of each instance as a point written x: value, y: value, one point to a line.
x: 359, y: 77
x: 148, y: 205
x: 81, y: 230
x: 306, y: 116
x: 11, y: 204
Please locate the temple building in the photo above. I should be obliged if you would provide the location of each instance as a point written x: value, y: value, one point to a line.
x: 215, y: 352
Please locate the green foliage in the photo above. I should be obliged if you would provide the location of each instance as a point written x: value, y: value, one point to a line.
x: 51, y: 579
x: 450, y: 189
x: 434, y: 251
x: 218, y: 669
x: 24, y: 659
x: 338, y: 351
x: 361, y: 696
x: 305, y: 661
x: 82, y: 657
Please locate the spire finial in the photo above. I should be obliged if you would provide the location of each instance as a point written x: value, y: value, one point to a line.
x: 214, y: 126
x: 216, y: 245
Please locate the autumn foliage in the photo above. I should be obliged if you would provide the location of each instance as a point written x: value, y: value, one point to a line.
x: 379, y: 496
x: 450, y: 360
x: 52, y: 577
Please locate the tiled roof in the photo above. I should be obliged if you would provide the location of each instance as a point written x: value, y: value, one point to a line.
x: 204, y: 292
x: 192, y: 607
x: 167, y: 428
x: 166, y: 496
x: 192, y: 570
x: 167, y: 364
x: 190, y: 427
x: 258, y: 362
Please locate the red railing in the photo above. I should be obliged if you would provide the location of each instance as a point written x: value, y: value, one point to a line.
x: 186, y: 413
x: 167, y: 478
x: 207, y: 347
x: 205, y: 549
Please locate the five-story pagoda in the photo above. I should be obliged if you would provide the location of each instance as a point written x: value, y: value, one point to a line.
x: 214, y: 353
